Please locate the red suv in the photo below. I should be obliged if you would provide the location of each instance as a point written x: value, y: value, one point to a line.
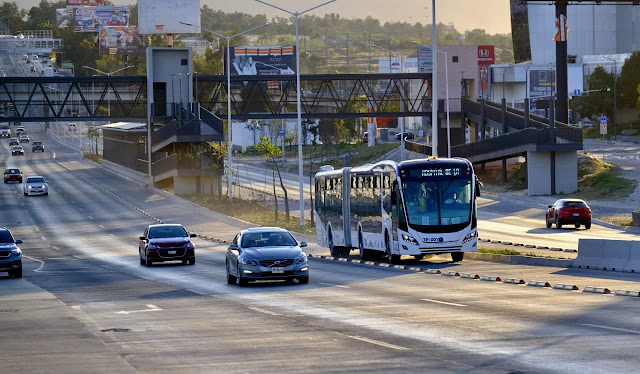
x: 12, y: 175
x: 569, y: 211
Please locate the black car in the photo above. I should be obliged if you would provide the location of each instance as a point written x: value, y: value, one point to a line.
x: 166, y: 242
x: 10, y: 254
x: 407, y: 135
x: 37, y: 146
x: 266, y: 253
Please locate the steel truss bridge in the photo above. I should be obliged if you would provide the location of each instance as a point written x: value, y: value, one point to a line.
x: 124, y: 98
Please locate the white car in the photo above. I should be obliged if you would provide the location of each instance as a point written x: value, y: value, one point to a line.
x: 23, y: 138
x: 5, y: 132
x: 35, y: 185
x: 17, y: 150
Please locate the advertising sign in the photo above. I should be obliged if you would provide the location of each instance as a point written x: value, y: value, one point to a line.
x: 93, y: 18
x: 265, y: 60
x: 84, y: 2
x: 64, y: 17
x: 486, y: 57
x: 425, y: 59
x: 542, y: 85
x: 120, y: 41
x: 164, y: 16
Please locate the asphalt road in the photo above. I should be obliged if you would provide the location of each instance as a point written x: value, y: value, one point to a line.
x: 86, y: 305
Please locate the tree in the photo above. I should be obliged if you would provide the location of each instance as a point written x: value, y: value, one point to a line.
x: 271, y: 152
x: 593, y: 104
x: 14, y: 16
x: 628, y: 81
x: 216, y: 152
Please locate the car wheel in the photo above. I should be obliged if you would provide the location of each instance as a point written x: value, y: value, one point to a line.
x: 16, y: 273
x: 241, y: 280
x: 192, y: 261
x: 230, y: 278
x: 457, y: 256
x: 149, y: 262
x: 418, y: 257
x: 393, y: 259
x: 587, y: 225
x: 142, y: 261
x: 558, y: 224
x: 577, y: 225
x: 548, y: 222
x: 46, y: 194
x: 25, y: 194
x: 303, y: 280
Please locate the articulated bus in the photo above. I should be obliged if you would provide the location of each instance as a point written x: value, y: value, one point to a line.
x: 413, y: 208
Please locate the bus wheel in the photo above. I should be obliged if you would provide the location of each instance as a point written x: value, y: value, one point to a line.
x: 364, y: 254
x: 335, y: 251
x: 457, y: 256
x: 393, y: 259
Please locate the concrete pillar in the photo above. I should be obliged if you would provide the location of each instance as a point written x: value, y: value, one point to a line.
x: 504, y: 170
x: 541, y: 182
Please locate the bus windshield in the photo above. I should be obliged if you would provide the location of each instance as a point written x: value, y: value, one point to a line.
x: 435, y: 204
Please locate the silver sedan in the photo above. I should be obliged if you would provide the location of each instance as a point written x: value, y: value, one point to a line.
x: 35, y: 185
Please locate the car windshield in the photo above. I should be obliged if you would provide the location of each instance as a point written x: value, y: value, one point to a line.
x: 268, y: 239
x: 5, y: 237
x: 35, y: 180
x: 437, y: 203
x: 160, y: 232
x: 37, y: 143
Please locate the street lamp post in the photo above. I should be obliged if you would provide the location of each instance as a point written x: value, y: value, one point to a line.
x: 108, y: 75
x: 229, y: 125
x: 299, y: 105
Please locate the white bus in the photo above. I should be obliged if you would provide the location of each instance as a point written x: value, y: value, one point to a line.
x: 413, y: 208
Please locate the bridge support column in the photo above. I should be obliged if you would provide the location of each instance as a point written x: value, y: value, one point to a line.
x: 541, y: 182
x: 504, y: 170
x: 193, y: 185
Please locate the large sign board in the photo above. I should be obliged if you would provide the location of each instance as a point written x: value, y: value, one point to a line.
x: 93, y: 18
x: 486, y: 57
x: 263, y: 60
x: 64, y: 17
x: 120, y: 41
x: 542, y: 85
x: 164, y: 16
x: 425, y: 59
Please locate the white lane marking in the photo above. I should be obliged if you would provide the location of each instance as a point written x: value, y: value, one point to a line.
x: 35, y: 259
x: 107, y: 267
x: 334, y: 285
x: 377, y: 342
x: 76, y: 256
x: 112, y: 235
x: 442, y: 302
x: 102, y: 227
x: 80, y: 209
x: 264, y: 311
x: 37, y: 229
x: 43, y: 238
x: 611, y: 328
x: 56, y: 248
x: 76, y: 307
x: 90, y: 217
x: 151, y: 308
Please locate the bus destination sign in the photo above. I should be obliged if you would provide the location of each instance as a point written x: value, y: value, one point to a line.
x: 442, y: 172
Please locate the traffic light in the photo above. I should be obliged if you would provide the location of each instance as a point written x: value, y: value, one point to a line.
x: 608, y: 89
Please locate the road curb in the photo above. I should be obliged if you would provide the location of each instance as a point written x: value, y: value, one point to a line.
x: 518, y: 260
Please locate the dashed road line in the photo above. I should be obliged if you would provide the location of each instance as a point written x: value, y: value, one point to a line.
x: 260, y: 310
x: 377, y: 342
x: 334, y: 285
x: 443, y: 302
x: 611, y: 328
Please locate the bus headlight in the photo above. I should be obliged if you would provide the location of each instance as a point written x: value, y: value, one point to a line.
x: 409, y: 239
x: 470, y: 236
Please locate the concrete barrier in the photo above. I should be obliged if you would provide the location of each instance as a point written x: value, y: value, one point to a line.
x: 633, y: 266
x: 615, y: 254
x: 589, y: 254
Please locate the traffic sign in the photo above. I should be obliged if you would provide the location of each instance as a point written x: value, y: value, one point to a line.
x: 283, y: 133
x: 603, y: 128
x: 603, y: 119
x: 570, y: 116
x: 576, y: 92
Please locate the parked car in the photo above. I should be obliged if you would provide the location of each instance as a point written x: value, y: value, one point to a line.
x: 17, y: 150
x: 166, y: 242
x: 5, y: 132
x: 266, y: 253
x: 14, y: 141
x: 569, y: 211
x: 10, y: 254
x: 23, y: 138
x: 35, y: 185
x: 407, y: 135
x: 12, y: 175
x: 37, y: 146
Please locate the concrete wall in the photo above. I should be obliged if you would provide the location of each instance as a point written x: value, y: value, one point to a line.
x: 539, y: 172
x: 209, y: 185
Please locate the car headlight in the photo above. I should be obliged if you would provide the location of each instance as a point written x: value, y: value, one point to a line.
x: 409, y: 239
x: 301, y: 259
x: 470, y: 236
x: 43, y: 186
x: 249, y: 261
x: 29, y: 187
x: 189, y: 245
x: 16, y: 251
x: 152, y: 246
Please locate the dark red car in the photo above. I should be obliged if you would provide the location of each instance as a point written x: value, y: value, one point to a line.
x: 569, y: 211
x: 166, y: 242
x: 12, y: 175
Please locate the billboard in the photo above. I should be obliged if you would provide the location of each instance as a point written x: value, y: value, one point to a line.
x: 64, y: 17
x: 542, y: 85
x: 425, y: 59
x: 264, y: 60
x: 120, y: 41
x: 486, y: 57
x: 93, y: 18
x: 164, y: 16
x: 75, y: 3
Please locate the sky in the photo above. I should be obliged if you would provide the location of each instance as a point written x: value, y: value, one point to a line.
x: 490, y: 15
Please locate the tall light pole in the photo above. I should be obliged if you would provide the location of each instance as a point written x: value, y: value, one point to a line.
x: 434, y: 84
x: 402, y: 127
x: 615, y: 74
x: 446, y: 82
x: 299, y: 105
x: 108, y: 75
x: 229, y: 124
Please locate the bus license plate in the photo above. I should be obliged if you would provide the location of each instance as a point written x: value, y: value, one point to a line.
x: 172, y: 252
x: 277, y: 270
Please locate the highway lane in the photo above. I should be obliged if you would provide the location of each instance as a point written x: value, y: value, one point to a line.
x: 349, y: 318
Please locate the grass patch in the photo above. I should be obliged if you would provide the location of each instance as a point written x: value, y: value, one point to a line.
x: 252, y: 211
x: 92, y: 157
x: 622, y: 129
x: 620, y: 220
x: 601, y: 180
x: 506, y: 251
